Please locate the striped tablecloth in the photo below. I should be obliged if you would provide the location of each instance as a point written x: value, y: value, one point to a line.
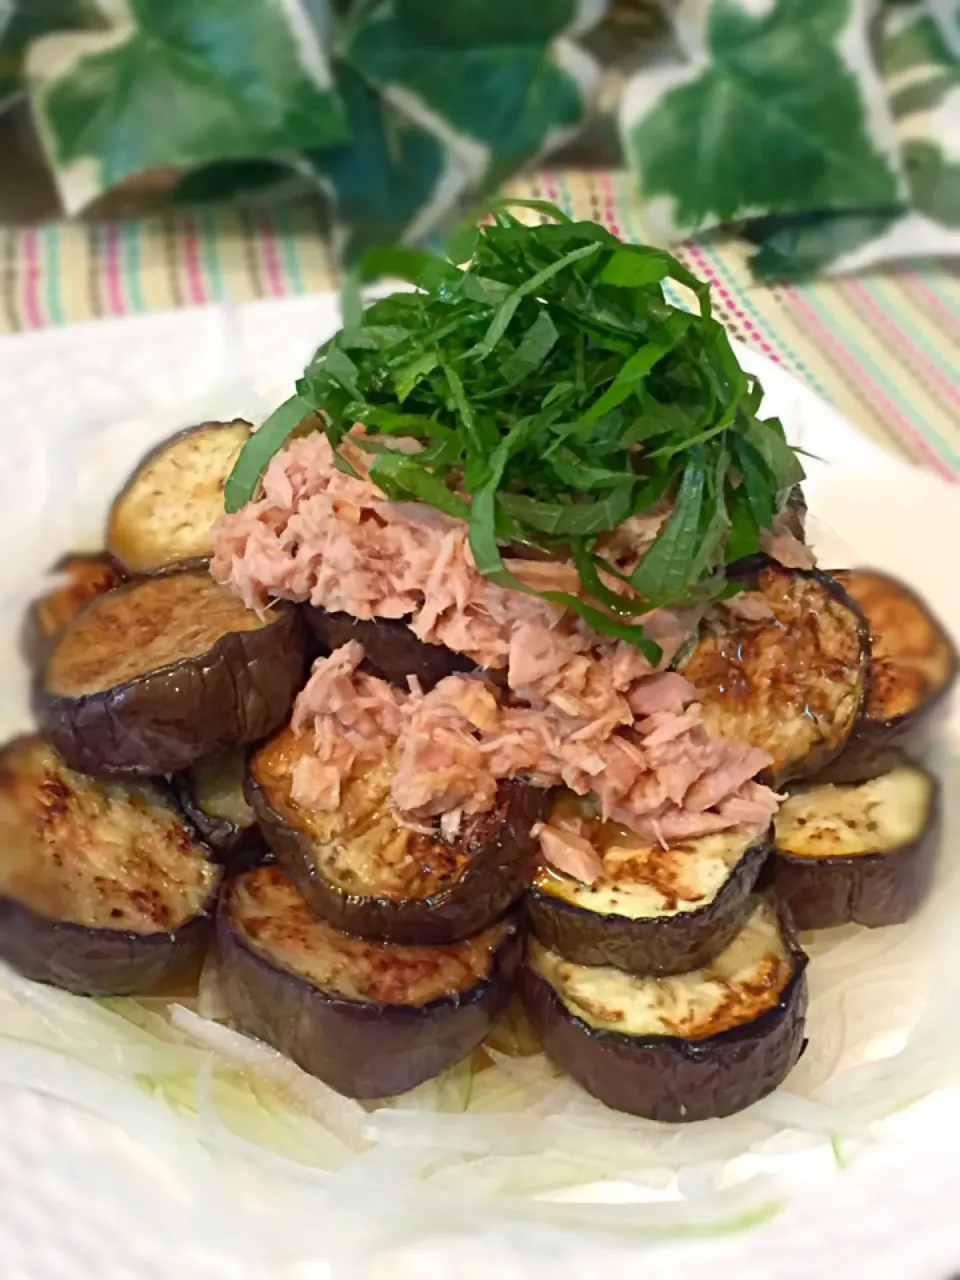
x: 884, y: 347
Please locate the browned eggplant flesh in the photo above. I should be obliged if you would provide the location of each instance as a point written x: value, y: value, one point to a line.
x: 653, y: 909
x: 859, y: 853
x: 371, y: 1019
x: 211, y: 795
x: 166, y: 671
x: 165, y: 511
x: 365, y: 871
x: 104, y: 889
x: 391, y: 649
x: 80, y: 577
x: 914, y: 669
x: 785, y: 668
x: 690, y: 1046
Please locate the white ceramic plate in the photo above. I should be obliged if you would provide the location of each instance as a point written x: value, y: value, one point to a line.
x: 79, y: 1198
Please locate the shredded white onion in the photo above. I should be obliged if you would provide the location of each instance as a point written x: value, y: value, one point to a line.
x: 504, y: 1135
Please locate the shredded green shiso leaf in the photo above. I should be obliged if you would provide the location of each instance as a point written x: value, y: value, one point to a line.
x: 555, y: 393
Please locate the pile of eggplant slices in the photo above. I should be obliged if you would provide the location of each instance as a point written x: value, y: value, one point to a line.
x: 151, y: 817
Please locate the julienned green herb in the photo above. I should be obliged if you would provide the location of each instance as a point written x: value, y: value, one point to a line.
x: 555, y: 392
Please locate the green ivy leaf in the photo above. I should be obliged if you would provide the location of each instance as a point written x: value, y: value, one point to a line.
x: 934, y: 181
x: 186, y: 82
x: 22, y: 22
x: 793, y: 247
x: 921, y: 70
x: 498, y: 103
x: 247, y: 181
x: 467, y: 23
x: 776, y: 120
x: 394, y: 180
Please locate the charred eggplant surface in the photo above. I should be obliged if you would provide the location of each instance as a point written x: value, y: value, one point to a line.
x: 689, y: 1047
x: 81, y: 578
x: 103, y: 888
x: 211, y: 795
x: 165, y: 511
x: 654, y: 910
x: 859, y: 853
x: 370, y: 1018
x: 166, y: 671
x: 392, y: 651
x: 363, y: 871
x: 789, y: 679
x: 914, y: 668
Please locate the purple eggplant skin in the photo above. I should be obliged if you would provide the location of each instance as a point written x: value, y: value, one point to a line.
x: 671, y: 944
x: 668, y: 1078
x: 392, y: 651
x: 720, y: 671
x: 97, y: 962
x: 879, y: 741
x: 361, y: 1048
x: 444, y: 890
x: 499, y: 853
x: 237, y: 691
x: 84, y: 958
x: 236, y: 847
x: 871, y: 889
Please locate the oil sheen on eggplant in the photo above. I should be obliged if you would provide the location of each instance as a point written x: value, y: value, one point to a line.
x: 791, y: 683
x: 363, y: 871
x: 166, y: 671
x: 654, y: 910
x: 371, y: 1019
x: 104, y: 889
x: 858, y: 853
x: 687, y: 1047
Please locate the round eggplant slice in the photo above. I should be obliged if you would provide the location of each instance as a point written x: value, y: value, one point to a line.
x: 104, y: 890
x: 392, y: 651
x: 371, y: 1019
x: 164, y: 513
x: 364, y: 872
x: 790, y: 681
x: 82, y: 578
x: 654, y: 910
x: 690, y: 1047
x: 166, y: 671
x: 211, y: 795
x: 914, y: 670
x: 861, y: 854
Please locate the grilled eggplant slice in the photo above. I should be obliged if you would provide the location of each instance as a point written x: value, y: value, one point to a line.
x: 657, y: 910
x: 164, y: 513
x: 364, y: 872
x: 371, y: 1019
x: 83, y: 576
x: 914, y: 670
x: 689, y: 1047
x: 166, y: 671
x: 104, y: 889
x: 392, y: 651
x: 211, y: 795
x: 863, y: 853
x: 791, y: 683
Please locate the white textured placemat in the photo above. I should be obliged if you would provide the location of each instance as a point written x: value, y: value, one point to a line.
x: 80, y: 1200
